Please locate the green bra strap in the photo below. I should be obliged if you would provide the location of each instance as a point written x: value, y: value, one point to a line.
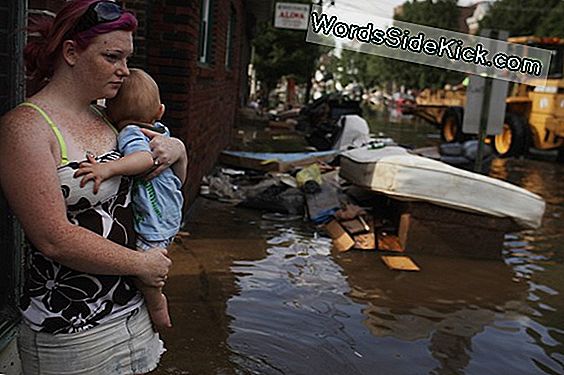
x: 103, y: 116
x: 60, y: 139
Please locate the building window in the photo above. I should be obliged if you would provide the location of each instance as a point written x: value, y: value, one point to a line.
x: 205, y: 39
x: 230, y: 39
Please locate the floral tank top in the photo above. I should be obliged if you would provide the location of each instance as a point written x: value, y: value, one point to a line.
x: 57, y: 299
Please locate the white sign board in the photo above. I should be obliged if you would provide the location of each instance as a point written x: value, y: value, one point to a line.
x: 291, y: 16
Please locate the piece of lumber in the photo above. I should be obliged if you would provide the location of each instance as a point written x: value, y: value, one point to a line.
x: 389, y: 242
x: 402, y: 263
x: 341, y: 239
x: 365, y: 241
x: 354, y: 226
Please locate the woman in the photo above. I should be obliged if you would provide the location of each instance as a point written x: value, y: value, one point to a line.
x: 81, y: 313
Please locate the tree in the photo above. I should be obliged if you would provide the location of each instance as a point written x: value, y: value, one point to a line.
x: 531, y: 17
x: 441, y: 14
x: 552, y: 24
x: 283, y: 52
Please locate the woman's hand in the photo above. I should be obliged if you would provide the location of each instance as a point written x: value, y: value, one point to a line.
x: 167, y: 152
x: 155, y: 269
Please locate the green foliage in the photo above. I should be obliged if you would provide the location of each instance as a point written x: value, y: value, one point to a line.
x: 283, y: 52
x: 530, y: 17
x: 553, y: 24
x: 377, y: 70
x: 440, y: 13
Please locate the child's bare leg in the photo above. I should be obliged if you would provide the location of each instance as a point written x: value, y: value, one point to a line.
x: 157, y: 306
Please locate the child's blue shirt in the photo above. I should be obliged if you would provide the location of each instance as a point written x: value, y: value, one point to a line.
x: 157, y: 203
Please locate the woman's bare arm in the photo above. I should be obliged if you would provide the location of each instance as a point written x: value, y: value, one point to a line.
x: 31, y: 186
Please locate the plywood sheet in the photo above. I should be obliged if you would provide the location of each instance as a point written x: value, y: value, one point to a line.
x: 401, y: 263
x: 341, y: 239
x: 389, y: 242
x: 354, y: 226
x: 366, y: 241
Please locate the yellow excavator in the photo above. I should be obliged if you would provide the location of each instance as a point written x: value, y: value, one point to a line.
x: 534, y: 114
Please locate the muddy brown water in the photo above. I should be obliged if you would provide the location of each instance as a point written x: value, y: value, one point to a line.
x: 253, y: 296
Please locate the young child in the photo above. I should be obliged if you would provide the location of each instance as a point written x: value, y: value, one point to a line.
x: 157, y: 203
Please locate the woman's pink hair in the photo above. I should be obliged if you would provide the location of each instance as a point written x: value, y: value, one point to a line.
x: 48, y: 34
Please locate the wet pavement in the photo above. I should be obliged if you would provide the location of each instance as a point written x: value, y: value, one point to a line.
x: 253, y: 296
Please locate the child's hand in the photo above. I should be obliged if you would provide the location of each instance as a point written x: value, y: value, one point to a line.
x: 92, y: 170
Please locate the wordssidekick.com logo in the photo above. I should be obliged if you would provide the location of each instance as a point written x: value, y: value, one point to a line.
x: 427, y: 45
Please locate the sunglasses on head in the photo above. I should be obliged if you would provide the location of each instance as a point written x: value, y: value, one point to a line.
x: 98, y: 13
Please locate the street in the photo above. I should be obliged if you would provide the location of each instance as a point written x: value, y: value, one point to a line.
x: 253, y: 296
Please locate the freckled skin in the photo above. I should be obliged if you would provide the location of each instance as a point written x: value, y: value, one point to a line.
x: 30, y: 155
x: 95, y: 74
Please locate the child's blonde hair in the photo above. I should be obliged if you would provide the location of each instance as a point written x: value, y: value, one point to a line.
x: 138, y: 99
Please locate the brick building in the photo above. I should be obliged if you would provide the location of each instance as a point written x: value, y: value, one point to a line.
x: 197, y: 51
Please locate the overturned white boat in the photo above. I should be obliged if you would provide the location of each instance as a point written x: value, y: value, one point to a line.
x: 395, y: 172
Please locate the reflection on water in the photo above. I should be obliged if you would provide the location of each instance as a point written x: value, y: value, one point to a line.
x: 251, y: 296
x: 408, y: 131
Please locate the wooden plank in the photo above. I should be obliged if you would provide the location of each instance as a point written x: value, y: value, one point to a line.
x: 286, y: 166
x: 366, y: 241
x: 401, y: 263
x: 341, y: 239
x: 249, y: 163
x: 389, y: 242
x: 276, y: 164
x: 355, y: 226
x: 403, y: 230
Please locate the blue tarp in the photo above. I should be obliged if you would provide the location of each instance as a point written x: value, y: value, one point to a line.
x: 281, y: 156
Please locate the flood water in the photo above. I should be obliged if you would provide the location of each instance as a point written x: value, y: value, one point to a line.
x: 253, y: 296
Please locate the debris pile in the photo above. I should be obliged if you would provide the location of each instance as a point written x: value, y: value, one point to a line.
x: 313, y: 192
x: 371, y: 195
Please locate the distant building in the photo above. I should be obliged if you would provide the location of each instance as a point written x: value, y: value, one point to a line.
x: 480, y: 10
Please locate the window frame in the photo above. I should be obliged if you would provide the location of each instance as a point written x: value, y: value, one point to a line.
x: 205, y: 38
x: 230, y: 38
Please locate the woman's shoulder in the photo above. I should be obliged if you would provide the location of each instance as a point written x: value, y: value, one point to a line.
x: 24, y: 130
x: 21, y: 119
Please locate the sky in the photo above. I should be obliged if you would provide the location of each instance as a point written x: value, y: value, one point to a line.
x: 382, y: 8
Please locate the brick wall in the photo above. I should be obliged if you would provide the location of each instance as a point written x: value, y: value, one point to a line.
x: 201, y: 100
